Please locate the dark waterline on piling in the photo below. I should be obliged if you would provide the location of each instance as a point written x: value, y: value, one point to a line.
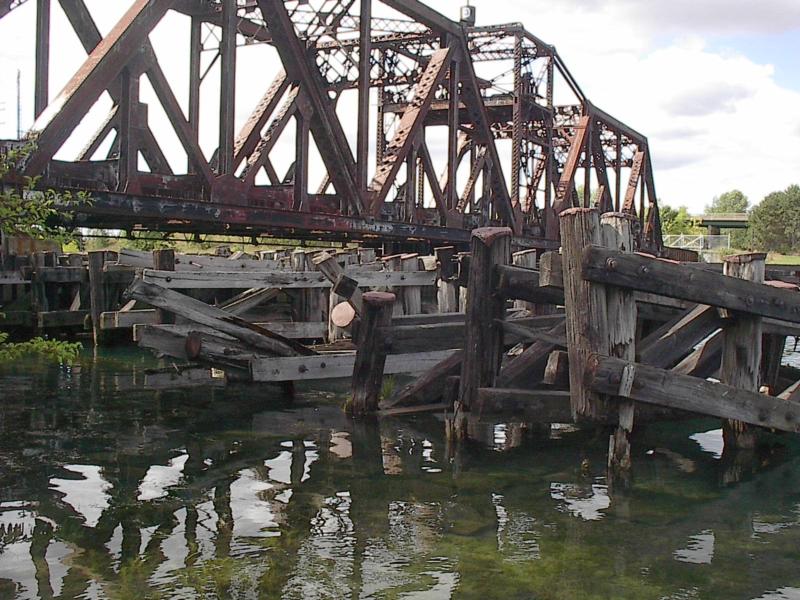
x: 108, y: 490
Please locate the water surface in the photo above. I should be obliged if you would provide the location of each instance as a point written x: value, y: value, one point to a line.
x: 110, y: 490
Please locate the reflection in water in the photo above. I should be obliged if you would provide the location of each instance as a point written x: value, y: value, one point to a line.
x: 159, y: 478
x: 87, y: 495
x: 114, y: 491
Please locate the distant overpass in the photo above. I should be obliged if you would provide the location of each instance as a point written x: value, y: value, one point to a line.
x: 717, y: 221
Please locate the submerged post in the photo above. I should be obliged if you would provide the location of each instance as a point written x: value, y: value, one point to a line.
x: 741, y: 348
x: 617, y: 233
x: 483, y: 339
x: 371, y: 353
x: 586, y: 308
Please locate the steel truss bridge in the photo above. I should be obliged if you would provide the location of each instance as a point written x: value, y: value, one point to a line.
x: 453, y: 126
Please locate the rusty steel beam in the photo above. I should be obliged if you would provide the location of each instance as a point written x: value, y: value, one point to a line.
x: 260, y: 156
x: 107, y: 57
x: 629, y: 205
x: 250, y: 134
x: 325, y: 126
x: 410, y: 125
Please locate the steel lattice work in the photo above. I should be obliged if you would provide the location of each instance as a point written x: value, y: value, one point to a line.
x: 456, y: 127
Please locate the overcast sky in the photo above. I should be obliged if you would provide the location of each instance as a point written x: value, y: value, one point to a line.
x: 714, y: 84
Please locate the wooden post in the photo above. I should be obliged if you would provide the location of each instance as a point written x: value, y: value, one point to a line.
x: 617, y: 233
x: 447, y: 292
x: 394, y: 263
x: 164, y: 260
x: 97, y: 292
x: 586, y: 308
x: 741, y: 348
x: 412, y: 295
x: 371, y: 354
x: 526, y: 259
x: 483, y: 339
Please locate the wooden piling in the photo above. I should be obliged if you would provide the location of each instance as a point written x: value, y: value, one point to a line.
x: 412, y: 295
x: 483, y: 340
x: 97, y: 292
x: 617, y: 233
x: 164, y: 260
x: 741, y: 348
x: 586, y: 308
x: 371, y: 353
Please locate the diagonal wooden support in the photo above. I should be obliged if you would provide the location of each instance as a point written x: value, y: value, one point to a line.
x: 410, y: 125
x: 325, y: 125
x: 101, y: 68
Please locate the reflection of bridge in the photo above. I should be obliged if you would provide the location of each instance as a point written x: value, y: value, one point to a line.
x: 718, y: 221
x: 380, y: 120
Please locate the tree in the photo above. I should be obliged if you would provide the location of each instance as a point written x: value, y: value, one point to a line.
x: 733, y: 201
x: 25, y: 210
x: 677, y: 221
x: 775, y: 223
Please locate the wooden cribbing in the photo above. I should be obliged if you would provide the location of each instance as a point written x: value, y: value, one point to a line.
x: 371, y: 354
x: 483, y: 340
x: 210, y: 316
x: 586, y: 307
x: 741, y: 348
x: 647, y: 274
x: 616, y: 377
x: 617, y: 233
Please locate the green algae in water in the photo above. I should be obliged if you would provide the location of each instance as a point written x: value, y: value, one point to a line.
x: 111, y: 490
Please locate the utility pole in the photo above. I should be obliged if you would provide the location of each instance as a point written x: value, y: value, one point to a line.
x: 19, y: 104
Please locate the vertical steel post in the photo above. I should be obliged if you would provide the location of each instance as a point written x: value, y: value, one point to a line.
x: 42, y: 85
x: 227, y: 104
x: 364, y: 86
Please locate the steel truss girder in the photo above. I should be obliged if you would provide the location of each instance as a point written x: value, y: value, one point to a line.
x: 325, y: 51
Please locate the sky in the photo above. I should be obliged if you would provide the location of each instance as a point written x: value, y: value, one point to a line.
x: 714, y: 84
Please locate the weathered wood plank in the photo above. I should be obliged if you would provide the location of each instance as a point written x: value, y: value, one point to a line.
x: 665, y: 388
x: 281, y: 279
x: 62, y: 318
x: 655, y: 276
x: 12, y: 278
x: 671, y: 342
x: 127, y: 319
x: 427, y: 388
x: 331, y: 366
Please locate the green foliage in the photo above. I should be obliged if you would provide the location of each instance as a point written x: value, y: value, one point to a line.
x: 677, y: 221
x: 55, y: 350
x: 24, y: 210
x: 775, y: 223
x: 733, y: 201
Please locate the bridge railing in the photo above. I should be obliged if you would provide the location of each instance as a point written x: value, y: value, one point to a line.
x: 698, y: 242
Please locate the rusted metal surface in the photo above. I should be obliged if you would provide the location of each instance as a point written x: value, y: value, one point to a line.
x: 420, y: 67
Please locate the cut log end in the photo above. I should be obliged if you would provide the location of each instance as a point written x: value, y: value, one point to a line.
x: 343, y: 314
